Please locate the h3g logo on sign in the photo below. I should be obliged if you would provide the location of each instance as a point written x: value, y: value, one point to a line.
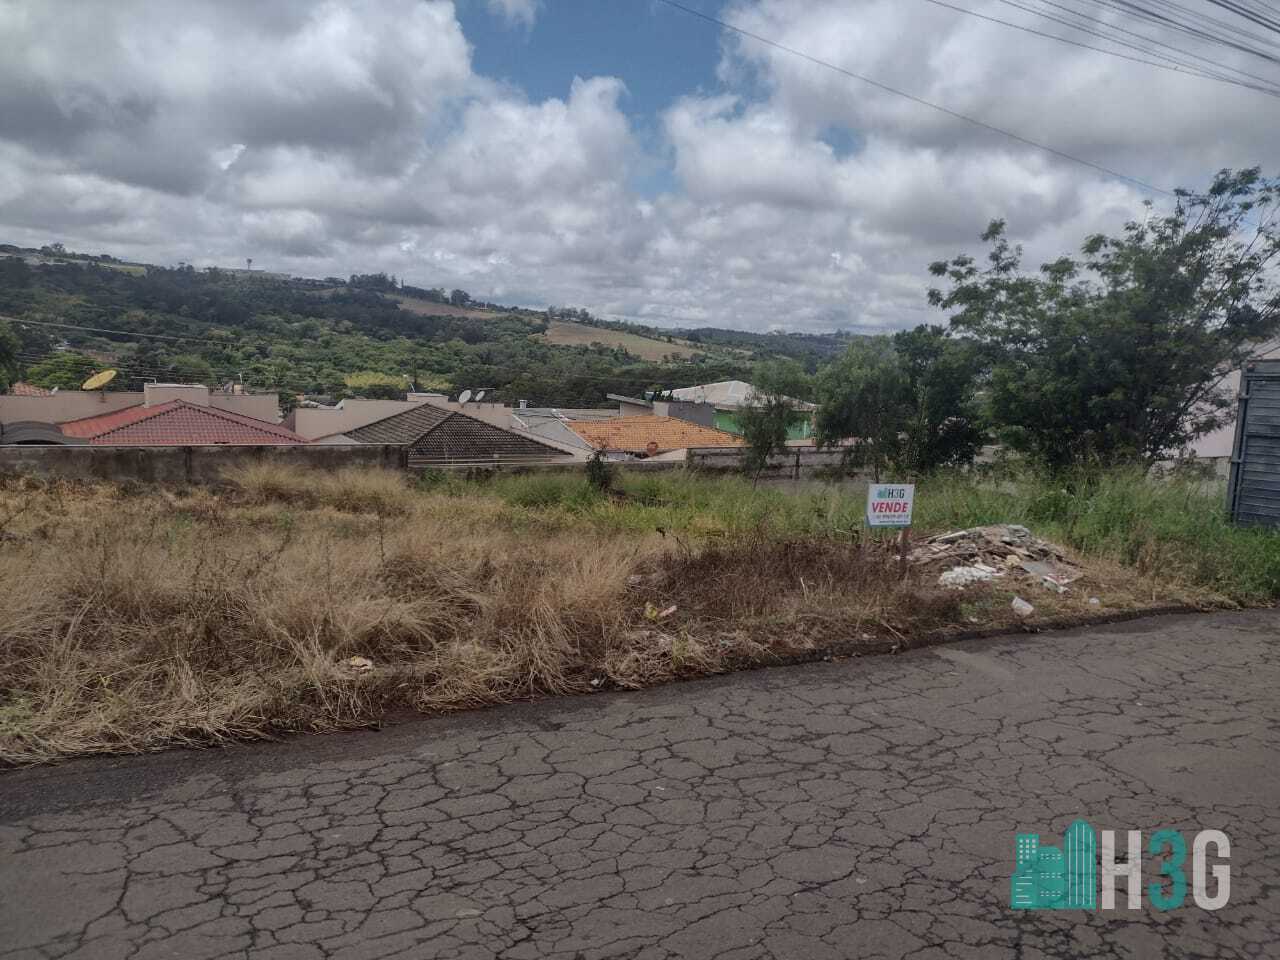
x: 1046, y: 878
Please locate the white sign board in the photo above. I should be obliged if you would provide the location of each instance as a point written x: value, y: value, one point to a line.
x: 889, y: 504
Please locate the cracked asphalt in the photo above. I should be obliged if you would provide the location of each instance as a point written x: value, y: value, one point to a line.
x: 863, y: 808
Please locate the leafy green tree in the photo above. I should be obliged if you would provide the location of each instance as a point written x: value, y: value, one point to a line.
x: 66, y: 370
x: 9, y: 347
x: 942, y: 426
x: 862, y: 405
x: 370, y: 385
x: 1121, y: 355
x: 189, y: 368
x: 769, y: 412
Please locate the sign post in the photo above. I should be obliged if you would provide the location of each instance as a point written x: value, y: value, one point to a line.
x: 889, y: 505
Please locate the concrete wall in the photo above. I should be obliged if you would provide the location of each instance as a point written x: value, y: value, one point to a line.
x: 797, y: 462
x: 497, y: 414
x: 205, y: 464
x: 65, y: 405
x: 703, y: 414
x: 312, y: 422
x: 183, y: 465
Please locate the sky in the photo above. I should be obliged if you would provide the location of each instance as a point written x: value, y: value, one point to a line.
x: 617, y: 155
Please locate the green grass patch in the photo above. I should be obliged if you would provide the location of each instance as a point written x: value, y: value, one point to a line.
x: 1175, y: 528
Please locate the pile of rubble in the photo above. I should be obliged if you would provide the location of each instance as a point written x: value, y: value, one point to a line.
x: 999, y: 550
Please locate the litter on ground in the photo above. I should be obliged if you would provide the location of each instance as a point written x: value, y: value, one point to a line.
x: 983, y: 553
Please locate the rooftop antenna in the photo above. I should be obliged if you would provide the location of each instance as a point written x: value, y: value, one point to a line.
x: 99, y: 381
x: 463, y: 397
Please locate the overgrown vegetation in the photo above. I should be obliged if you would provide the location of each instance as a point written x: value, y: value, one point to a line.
x: 134, y: 618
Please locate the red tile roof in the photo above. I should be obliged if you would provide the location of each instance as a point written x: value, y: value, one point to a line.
x: 176, y: 424
x: 634, y: 434
x: 21, y: 389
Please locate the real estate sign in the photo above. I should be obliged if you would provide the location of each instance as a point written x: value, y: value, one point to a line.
x: 889, y: 504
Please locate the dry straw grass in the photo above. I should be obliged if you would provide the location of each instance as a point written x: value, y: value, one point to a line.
x: 132, y: 619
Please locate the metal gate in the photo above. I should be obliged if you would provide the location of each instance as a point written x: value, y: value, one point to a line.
x: 1254, y: 488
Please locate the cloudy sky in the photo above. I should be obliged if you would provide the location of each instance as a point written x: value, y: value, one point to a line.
x: 614, y: 154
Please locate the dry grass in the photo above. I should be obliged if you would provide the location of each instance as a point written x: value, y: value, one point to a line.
x: 134, y: 618
x: 568, y: 334
x: 428, y: 308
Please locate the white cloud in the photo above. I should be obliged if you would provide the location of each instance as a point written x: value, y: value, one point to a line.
x: 355, y: 135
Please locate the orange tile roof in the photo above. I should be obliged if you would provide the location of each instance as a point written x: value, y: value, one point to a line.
x: 634, y: 434
x: 175, y: 424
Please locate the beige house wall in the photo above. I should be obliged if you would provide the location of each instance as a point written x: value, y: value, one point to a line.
x: 76, y: 404
x: 313, y: 422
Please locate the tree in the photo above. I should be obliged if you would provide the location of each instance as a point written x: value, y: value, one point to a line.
x: 370, y: 385
x: 10, y: 345
x: 189, y: 368
x: 459, y: 298
x: 66, y: 371
x: 1121, y: 356
x: 942, y: 424
x: 862, y: 403
x: 769, y: 412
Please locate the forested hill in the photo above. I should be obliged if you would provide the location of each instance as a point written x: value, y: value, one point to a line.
x: 366, y: 335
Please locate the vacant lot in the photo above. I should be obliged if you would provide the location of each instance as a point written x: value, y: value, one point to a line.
x: 134, y: 618
x: 570, y: 334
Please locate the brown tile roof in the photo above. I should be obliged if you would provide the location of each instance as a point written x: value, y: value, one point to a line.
x: 634, y: 434
x: 436, y: 435
x: 403, y: 427
x: 21, y: 389
x: 176, y: 424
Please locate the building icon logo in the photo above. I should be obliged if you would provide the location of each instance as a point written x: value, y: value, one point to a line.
x: 1046, y: 878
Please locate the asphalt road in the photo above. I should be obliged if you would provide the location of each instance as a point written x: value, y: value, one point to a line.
x: 856, y: 809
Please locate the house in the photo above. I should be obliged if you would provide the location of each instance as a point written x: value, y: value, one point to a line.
x: 318, y: 421
x: 649, y: 435
x: 554, y: 423
x: 715, y: 405
x: 437, y: 436
x: 174, y: 423
x: 728, y: 396
x: 62, y: 405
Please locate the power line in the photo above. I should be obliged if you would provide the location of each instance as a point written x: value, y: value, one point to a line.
x: 230, y: 341
x: 920, y: 100
x: 1071, y: 11
x: 1191, y: 29
x: 1173, y: 66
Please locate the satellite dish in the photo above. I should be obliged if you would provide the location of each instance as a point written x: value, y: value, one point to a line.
x: 98, y: 380
x: 463, y: 397
x: 479, y: 396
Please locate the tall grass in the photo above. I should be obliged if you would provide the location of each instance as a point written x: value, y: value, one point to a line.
x: 1177, y: 528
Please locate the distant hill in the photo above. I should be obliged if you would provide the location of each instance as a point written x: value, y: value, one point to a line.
x: 306, y: 336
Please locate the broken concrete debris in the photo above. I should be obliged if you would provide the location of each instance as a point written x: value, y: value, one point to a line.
x: 984, y: 553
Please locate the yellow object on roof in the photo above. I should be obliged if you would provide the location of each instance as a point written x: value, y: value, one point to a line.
x: 636, y: 434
